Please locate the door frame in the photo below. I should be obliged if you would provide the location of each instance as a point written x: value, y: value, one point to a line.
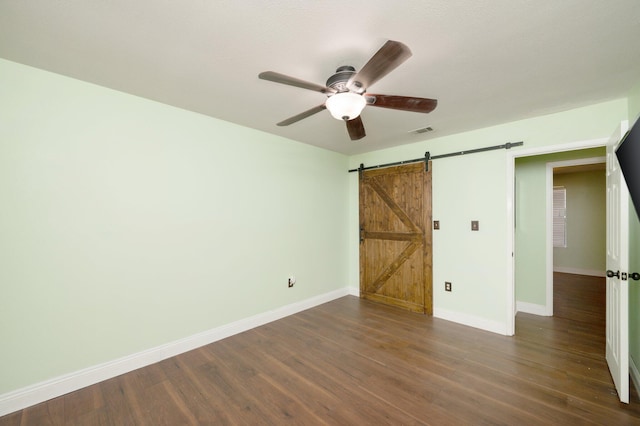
x: 549, y: 219
x: 511, y: 156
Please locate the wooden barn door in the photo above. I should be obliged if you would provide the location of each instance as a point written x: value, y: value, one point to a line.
x: 395, y: 237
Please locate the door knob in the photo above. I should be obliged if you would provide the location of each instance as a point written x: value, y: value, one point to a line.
x: 634, y: 276
x: 612, y: 274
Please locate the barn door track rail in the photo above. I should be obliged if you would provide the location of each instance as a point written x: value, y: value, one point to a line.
x: 427, y: 156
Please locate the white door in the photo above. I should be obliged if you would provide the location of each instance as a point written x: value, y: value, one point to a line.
x: 617, y: 351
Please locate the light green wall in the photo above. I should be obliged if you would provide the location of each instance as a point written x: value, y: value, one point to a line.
x: 474, y: 187
x: 530, y: 218
x: 634, y: 250
x: 530, y: 230
x: 126, y: 224
x: 586, y: 224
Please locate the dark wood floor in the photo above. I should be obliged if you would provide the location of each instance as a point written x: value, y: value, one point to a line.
x: 354, y: 362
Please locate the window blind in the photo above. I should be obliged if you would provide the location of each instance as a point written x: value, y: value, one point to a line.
x: 559, y: 216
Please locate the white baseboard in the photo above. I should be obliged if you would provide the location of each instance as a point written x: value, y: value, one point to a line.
x: 578, y: 271
x: 635, y: 374
x: 471, y: 321
x: 43, y: 391
x: 354, y: 291
x: 532, y: 308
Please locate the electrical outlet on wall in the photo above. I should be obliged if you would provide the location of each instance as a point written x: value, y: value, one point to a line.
x: 291, y: 281
x: 447, y: 286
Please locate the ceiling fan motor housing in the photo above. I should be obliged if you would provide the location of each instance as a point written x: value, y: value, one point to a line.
x: 338, y: 81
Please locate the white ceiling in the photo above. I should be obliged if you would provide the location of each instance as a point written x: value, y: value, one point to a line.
x: 486, y: 61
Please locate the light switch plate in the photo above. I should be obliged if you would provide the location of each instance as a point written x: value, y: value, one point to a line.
x: 475, y: 225
x: 436, y: 224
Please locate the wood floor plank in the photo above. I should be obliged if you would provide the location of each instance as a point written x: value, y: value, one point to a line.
x: 221, y: 384
x: 320, y: 367
x: 83, y: 401
x: 352, y: 361
x: 275, y: 399
x: 13, y: 419
x: 48, y: 413
x: 117, y: 403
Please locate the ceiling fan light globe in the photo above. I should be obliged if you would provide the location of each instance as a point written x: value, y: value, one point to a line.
x: 346, y: 105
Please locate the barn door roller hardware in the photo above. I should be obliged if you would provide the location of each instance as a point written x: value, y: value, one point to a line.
x: 427, y: 156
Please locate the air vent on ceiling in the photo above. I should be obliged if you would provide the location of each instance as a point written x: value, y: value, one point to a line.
x: 422, y: 130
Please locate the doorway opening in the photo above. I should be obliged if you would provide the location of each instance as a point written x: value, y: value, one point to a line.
x: 584, y: 248
x: 580, y: 176
x: 541, y: 254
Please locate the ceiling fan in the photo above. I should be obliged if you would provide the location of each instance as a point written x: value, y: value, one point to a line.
x: 346, y: 90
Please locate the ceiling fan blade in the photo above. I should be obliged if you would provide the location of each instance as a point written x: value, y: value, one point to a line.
x: 292, y: 81
x: 404, y: 103
x: 355, y: 128
x: 302, y: 115
x: 390, y: 56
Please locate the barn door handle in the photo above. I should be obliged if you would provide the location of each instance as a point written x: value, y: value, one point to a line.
x: 362, y: 234
x: 634, y: 276
x: 612, y: 274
